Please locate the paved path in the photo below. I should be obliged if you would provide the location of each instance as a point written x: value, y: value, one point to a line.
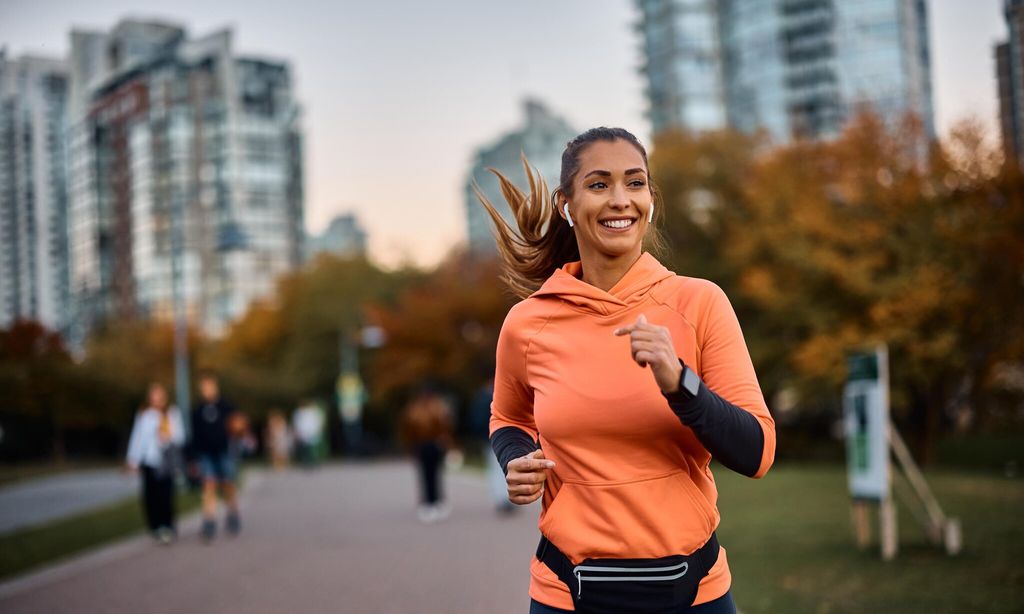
x: 341, y: 539
x: 41, y: 500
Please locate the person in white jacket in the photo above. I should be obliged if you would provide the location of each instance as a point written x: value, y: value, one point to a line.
x: 153, y: 451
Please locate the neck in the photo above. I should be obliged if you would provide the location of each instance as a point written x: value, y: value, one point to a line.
x: 604, y: 272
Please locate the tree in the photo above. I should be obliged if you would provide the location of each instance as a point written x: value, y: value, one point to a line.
x: 287, y: 349
x: 34, y: 369
x: 826, y: 247
x: 442, y: 329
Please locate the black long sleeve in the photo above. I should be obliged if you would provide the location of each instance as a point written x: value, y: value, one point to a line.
x: 731, y: 434
x: 510, y: 443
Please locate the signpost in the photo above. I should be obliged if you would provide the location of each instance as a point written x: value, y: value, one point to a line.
x: 866, y: 425
x: 349, y: 386
x: 870, y: 434
x: 866, y: 422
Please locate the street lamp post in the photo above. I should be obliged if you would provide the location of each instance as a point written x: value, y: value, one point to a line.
x: 181, y: 376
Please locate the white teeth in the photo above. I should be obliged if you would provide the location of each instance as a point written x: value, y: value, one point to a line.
x: 618, y: 223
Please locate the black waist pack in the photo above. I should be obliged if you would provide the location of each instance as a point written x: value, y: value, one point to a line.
x: 613, y: 586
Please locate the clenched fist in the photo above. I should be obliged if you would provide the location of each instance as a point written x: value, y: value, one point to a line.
x: 526, y: 476
x: 652, y: 347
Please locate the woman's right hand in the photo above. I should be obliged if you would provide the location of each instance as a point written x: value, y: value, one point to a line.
x: 526, y: 476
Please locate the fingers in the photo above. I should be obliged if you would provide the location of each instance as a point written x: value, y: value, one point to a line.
x: 525, y: 499
x: 649, y: 343
x: 534, y: 461
x: 525, y: 490
x: 652, y: 333
x: 526, y: 477
x: 641, y: 325
x: 654, y: 348
x: 522, y: 493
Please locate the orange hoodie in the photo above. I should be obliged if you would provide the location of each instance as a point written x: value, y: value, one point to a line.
x: 630, y: 480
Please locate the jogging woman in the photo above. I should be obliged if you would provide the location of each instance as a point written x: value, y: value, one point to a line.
x: 617, y: 382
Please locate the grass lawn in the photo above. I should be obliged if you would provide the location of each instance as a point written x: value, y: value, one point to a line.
x: 11, y: 473
x: 790, y: 546
x: 32, y: 547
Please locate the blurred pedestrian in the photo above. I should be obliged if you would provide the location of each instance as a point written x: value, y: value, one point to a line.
x: 308, y: 423
x: 617, y: 381
x: 279, y: 440
x: 154, y: 451
x: 480, y: 417
x: 213, y: 426
x: 425, y: 429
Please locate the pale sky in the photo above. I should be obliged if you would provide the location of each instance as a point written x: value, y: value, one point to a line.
x: 396, y: 96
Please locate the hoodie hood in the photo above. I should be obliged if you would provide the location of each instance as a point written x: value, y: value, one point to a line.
x: 634, y: 286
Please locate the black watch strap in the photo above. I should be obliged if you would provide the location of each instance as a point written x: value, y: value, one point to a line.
x: 689, y: 385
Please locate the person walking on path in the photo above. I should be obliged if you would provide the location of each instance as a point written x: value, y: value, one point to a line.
x: 279, y: 440
x: 212, y: 420
x: 426, y: 431
x: 308, y: 425
x: 617, y: 381
x: 154, y: 451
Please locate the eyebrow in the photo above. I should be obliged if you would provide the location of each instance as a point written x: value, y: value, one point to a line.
x: 631, y: 171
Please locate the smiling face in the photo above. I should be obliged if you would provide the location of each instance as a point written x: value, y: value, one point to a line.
x: 611, y: 198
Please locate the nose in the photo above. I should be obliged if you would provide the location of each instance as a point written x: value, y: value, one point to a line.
x: 619, y: 197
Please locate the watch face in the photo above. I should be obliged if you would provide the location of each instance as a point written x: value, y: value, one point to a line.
x: 691, y: 383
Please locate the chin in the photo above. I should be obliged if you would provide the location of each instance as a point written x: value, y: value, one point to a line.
x: 618, y: 249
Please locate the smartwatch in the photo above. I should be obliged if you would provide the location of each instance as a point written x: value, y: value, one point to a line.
x: 689, y: 385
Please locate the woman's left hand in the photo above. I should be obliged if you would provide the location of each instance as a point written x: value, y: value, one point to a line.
x: 652, y: 347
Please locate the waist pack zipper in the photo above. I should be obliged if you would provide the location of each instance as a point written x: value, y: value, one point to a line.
x: 628, y: 574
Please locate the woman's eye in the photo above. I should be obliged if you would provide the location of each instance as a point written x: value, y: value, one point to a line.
x: 637, y: 183
x: 597, y: 185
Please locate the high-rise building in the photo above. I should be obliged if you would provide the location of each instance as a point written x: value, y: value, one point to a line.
x: 542, y: 138
x: 344, y: 236
x: 682, y: 62
x: 1010, y: 75
x: 791, y: 67
x: 33, y: 194
x: 181, y: 152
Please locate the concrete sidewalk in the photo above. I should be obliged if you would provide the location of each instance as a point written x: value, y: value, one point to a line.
x: 340, y: 539
x: 41, y: 500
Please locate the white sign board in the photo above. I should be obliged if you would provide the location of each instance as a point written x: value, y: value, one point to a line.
x: 866, y: 425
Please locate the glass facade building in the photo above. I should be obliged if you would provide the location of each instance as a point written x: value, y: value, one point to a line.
x: 183, y: 153
x: 33, y: 191
x: 1010, y: 77
x: 541, y: 138
x: 791, y: 67
x: 682, y: 61
x: 344, y: 237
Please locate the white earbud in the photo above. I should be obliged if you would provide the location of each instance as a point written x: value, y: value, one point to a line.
x: 650, y: 213
x: 568, y: 217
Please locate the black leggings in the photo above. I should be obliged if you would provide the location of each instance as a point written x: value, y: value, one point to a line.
x: 722, y: 605
x: 157, y: 499
x: 430, y: 455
